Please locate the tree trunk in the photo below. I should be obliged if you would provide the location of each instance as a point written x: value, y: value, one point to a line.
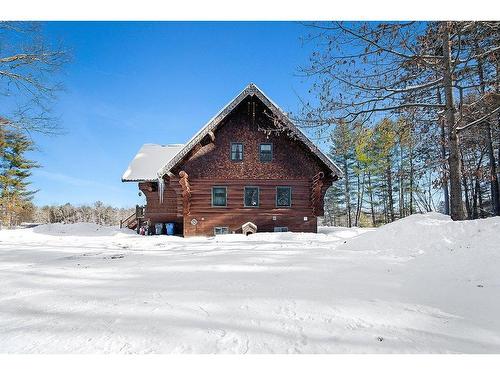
x: 466, y: 190
x: 384, y: 198
x: 446, y: 196
x: 474, y: 198
x: 347, y: 193
x: 362, y: 195
x: 370, y: 194
x: 494, y: 188
x: 358, y: 197
x: 411, y: 172
x: 390, y: 199
x: 480, y: 198
x: 401, y: 182
x: 456, y: 203
x: 497, y: 90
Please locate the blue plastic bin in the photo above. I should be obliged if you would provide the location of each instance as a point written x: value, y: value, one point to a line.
x: 170, y: 229
x: 158, y: 228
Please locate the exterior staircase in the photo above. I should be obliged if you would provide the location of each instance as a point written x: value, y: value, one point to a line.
x: 133, y: 221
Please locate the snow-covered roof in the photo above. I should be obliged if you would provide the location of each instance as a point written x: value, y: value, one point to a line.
x: 147, y: 162
x: 211, y: 125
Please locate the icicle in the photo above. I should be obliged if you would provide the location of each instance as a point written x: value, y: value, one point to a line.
x: 161, y: 188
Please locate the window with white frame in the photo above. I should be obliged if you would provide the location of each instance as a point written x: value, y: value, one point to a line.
x: 236, y: 151
x: 266, y: 152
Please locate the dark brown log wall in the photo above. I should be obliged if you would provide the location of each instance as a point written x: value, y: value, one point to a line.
x: 210, y: 165
x: 235, y: 214
x: 171, y: 208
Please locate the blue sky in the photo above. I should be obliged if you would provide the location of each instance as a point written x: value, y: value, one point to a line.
x: 131, y: 83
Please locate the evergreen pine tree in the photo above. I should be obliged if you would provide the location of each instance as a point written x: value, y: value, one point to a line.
x: 342, y: 152
x: 15, y: 170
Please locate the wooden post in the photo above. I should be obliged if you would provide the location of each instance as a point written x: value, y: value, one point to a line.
x: 316, y: 186
x: 186, y: 192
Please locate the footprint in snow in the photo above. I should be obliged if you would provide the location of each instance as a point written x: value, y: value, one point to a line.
x: 115, y: 256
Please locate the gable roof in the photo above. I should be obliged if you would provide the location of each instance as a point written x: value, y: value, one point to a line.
x: 150, y: 158
x: 211, y: 125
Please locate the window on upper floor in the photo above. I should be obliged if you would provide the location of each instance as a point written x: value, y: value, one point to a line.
x: 219, y: 196
x: 251, y: 196
x: 283, y: 196
x: 236, y: 151
x: 266, y: 152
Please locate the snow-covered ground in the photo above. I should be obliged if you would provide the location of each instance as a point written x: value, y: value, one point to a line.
x: 422, y: 284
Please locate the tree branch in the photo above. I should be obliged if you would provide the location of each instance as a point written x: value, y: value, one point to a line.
x: 479, y: 120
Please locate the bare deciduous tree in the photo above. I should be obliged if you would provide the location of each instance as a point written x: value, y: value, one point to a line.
x: 364, y: 70
x: 28, y: 85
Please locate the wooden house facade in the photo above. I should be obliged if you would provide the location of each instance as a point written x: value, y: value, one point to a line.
x: 248, y: 164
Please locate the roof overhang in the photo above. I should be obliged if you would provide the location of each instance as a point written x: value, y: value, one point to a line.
x: 150, y: 157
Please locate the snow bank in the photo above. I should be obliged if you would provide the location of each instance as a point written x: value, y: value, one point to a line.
x: 325, y: 235
x: 78, y: 229
x: 84, y: 288
x: 430, y: 232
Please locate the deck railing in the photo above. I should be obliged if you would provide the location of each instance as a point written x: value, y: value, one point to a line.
x: 133, y: 220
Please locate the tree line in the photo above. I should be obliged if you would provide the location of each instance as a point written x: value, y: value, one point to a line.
x: 98, y: 213
x: 412, y: 113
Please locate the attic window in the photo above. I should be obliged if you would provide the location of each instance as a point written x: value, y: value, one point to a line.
x: 236, y: 151
x: 266, y: 152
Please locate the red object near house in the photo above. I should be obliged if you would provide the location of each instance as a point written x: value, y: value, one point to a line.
x: 249, y: 163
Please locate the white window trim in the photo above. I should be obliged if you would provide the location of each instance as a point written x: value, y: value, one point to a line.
x: 231, y: 152
x: 272, y: 152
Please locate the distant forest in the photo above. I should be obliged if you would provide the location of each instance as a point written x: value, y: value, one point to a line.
x: 98, y: 213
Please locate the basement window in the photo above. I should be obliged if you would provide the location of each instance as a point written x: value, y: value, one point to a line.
x: 221, y: 230
x: 251, y: 196
x: 283, y: 196
x: 281, y: 229
x: 219, y: 196
x: 236, y: 151
x: 266, y: 152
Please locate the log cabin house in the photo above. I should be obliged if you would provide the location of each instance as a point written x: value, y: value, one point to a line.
x: 248, y: 165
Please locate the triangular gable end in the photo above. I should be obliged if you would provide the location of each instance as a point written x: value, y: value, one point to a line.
x: 250, y: 90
